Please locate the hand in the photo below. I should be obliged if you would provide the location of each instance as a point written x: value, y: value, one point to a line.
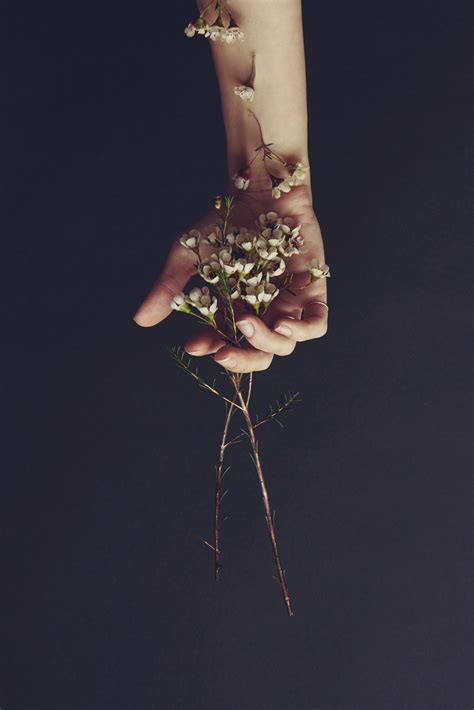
x: 282, y: 326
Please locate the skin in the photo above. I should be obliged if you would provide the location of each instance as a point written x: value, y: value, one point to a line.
x: 273, y: 30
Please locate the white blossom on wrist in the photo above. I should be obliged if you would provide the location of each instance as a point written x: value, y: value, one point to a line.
x: 280, y: 185
x: 246, y: 93
x: 298, y: 172
x: 241, y: 182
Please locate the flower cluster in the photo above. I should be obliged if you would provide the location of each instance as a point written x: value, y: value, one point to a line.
x: 216, y: 30
x: 246, y: 265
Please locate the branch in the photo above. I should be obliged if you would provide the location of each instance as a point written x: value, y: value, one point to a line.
x: 285, y: 403
x: 184, y: 363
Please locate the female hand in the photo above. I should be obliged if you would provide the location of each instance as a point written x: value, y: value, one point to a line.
x: 283, y: 325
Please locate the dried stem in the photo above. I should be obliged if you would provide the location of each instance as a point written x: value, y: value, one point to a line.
x: 266, y: 501
x: 218, y: 491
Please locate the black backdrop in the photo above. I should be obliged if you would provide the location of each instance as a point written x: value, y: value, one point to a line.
x: 113, y: 143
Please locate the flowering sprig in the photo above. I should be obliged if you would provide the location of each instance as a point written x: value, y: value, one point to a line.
x: 295, y: 172
x: 246, y: 266
x: 222, y: 27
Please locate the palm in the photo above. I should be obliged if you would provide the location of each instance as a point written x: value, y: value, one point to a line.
x: 181, y: 266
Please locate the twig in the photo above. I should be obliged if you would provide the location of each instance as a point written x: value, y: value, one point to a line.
x: 266, y: 503
x: 284, y: 403
x: 178, y: 356
x: 218, y: 495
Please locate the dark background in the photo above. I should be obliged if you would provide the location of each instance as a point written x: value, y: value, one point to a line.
x: 112, y: 143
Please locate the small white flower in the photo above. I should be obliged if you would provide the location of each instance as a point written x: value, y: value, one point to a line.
x: 254, y: 281
x: 232, y: 32
x: 270, y: 219
x: 240, y: 182
x: 245, y: 239
x: 263, y: 293
x: 318, y: 270
x: 191, y: 240
x: 227, y: 261
x: 214, y: 32
x: 201, y: 299
x: 210, y: 269
x: 273, y: 236
x: 215, y: 235
x: 264, y: 250
x: 234, y: 286
x: 292, y: 245
x: 246, y: 93
x: 243, y: 266
x: 280, y: 185
x: 298, y: 173
x: 199, y: 25
x: 276, y: 268
x: 179, y: 303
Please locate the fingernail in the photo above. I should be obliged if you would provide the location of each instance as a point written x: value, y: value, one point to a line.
x: 283, y: 330
x: 230, y: 361
x: 246, y: 328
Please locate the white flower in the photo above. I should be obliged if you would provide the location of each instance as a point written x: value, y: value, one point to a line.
x: 234, y: 286
x: 227, y: 261
x: 210, y: 269
x: 201, y: 299
x: 254, y: 281
x: 292, y: 245
x: 214, y: 32
x: 273, y: 236
x: 199, y: 25
x: 245, y: 239
x: 280, y: 185
x: 264, y: 250
x: 244, y: 267
x: 318, y: 270
x: 246, y: 93
x: 230, y: 236
x: 215, y: 235
x: 270, y: 219
x: 191, y: 240
x: 276, y: 268
x: 179, y: 303
x: 240, y: 182
x: 232, y: 33
x: 298, y: 173
x: 263, y: 293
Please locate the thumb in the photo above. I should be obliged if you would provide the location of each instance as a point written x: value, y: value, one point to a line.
x: 178, y: 269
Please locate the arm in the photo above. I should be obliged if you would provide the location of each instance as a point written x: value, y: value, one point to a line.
x: 274, y: 34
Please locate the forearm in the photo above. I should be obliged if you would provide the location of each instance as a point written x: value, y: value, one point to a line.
x: 274, y: 34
